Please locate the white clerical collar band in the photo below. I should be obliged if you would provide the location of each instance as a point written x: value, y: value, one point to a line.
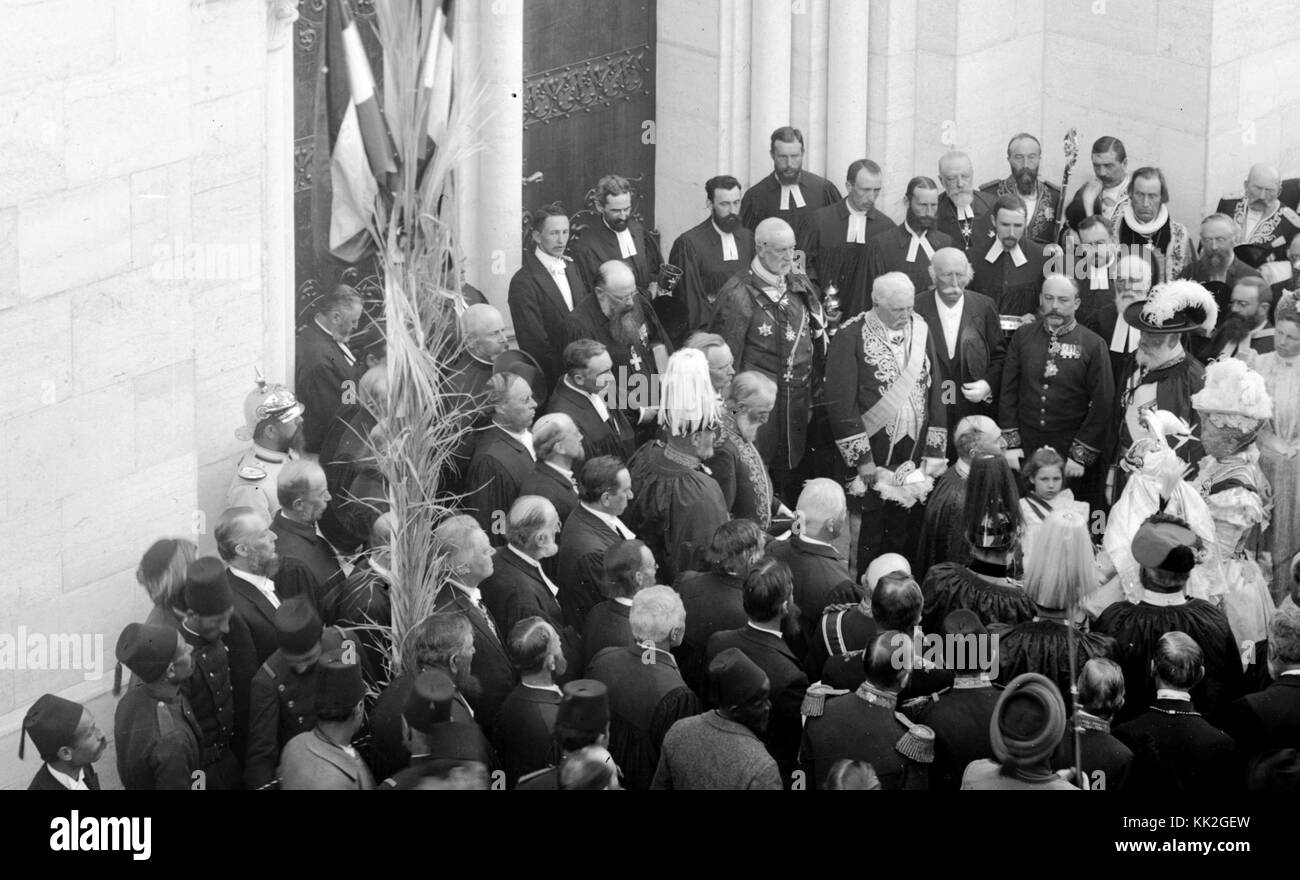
x: 1164, y: 600
x: 626, y: 247
x: 1171, y: 694
x: 1018, y: 257
x: 789, y: 193
x: 1098, y: 279
x: 919, y: 241
x: 857, y: 228
x: 729, y: 251
x: 964, y: 212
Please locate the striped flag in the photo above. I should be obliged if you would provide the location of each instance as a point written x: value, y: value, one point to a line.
x: 436, y: 76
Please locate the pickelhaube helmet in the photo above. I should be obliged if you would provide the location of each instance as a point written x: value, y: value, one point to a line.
x: 267, y: 401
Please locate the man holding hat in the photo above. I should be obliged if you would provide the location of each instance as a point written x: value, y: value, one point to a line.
x: 444, y: 753
x: 1167, y: 550
x: 1160, y: 374
x: 283, y: 693
x: 720, y: 750
x: 208, y: 608
x: 69, y: 742
x: 273, y: 422
x: 154, y: 729
x: 323, y: 758
x: 1027, y: 725
x: 582, y: 720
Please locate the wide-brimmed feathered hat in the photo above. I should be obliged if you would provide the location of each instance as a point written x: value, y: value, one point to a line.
x: 1175, y: 307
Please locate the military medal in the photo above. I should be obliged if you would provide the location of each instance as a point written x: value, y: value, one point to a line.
x: 765, y: 329
x: 789, y: 334
x: 635, y: 360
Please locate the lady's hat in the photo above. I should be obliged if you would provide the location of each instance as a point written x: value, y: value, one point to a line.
x: 1232, y: 388
x: 1175, y: 307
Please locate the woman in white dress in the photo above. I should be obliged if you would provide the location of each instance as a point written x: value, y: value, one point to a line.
x: 1279, y: 442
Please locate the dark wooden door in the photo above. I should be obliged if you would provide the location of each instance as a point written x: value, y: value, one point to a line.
x: 589, y: 99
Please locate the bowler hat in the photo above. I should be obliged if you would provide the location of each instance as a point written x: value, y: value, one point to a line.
x: 584, y: 707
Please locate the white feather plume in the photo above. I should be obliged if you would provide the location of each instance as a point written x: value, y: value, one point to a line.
x: 687, y: 401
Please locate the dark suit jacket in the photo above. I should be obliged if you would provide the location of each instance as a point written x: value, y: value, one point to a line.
x: 491, y: 664
x: 788, y: 684
x: 538, y: 310
x: 524, y: 731
x: 1177, y: 752
x: 45, y: 781
x: 549, y: 483
x: 499, y: 467
x: 599, y: 437
x: 713, y: 604
x: 302, y: 543
x: 1266, y: 720
x: 515, y: 590
x: 981, y: 347
x: 821, y: 578
x: 320, y: 371
x: 607, y: 627
x: 583, y: 542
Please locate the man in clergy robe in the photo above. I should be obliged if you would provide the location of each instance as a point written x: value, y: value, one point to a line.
x: 968, y: 339
x: 1132, y: 284
x: 582, y: 395
x: 1009, y: 267
x: 484, y: 331
x: 1260, y: 215
x: 942, y: 531
x: 1093, y: 266
x: 962, y: 208
x: 1057, y: 389
x: 789, y: 193
x: 710, y: 253
x: 544, y: 291
x: 616, y: 236
x: 886, y: 412
x: 622, y: 320
x: 838, y: 235
x: 772, y: 320
x: 910, y: 247
x: 1042, y: 198
x: 503, y: 455
x: 1106, y: 195
x: 1144, y: 222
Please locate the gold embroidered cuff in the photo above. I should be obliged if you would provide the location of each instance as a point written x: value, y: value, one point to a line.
x: 855, y: 448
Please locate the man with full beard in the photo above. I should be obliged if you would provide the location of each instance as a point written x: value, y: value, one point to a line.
x: 838, y: 236
x: 910, y: 247
x: 620, y: 319
x: 736, y: 463
x: 962, y: 208
x: 616, y: 236
x: 1217, y: 263
x: 1144, y: 222
x: 1042, y: 198
x: 711, y: 252
x: 790, y: 193
x: 273, y: 421
x: 1259, y: 215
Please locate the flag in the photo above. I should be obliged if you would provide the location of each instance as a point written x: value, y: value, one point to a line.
x: 436, y: 76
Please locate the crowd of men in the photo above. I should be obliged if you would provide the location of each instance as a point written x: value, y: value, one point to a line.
x: 710, y: 509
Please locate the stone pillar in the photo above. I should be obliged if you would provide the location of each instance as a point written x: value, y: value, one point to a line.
x: 846, y: 83
x: 891, y: 98
x: 770, y: 53
x: 277, y: 193
x: 734, y: 19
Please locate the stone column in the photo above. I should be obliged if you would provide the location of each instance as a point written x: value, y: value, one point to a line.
x: 277, y: 193
x: 770, y: 52
x: 846, y: 86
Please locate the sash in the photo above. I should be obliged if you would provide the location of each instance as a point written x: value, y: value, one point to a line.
x: 887, y: 409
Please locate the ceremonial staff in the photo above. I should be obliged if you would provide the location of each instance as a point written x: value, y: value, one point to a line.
x: 1071, y: 156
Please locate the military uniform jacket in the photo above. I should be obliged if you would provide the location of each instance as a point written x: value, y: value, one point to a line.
x: 853, y: 728
x: 960, y: 720
x: 832, y: 259
x: 312, y: 763
x: 763, y: 200
x: 784, y: 341
x: 254, y: 482
x: 596, y: 243
x: 209, y: 694
x: 1275, y: 229
x: 861, y: 399
x: 157, y: 740
x: 1057, y: 385
x: 962, y: 231
x: 1106, y: 761
x: 538, y: 310
x: 1042, y: 226
x: 698, y: 253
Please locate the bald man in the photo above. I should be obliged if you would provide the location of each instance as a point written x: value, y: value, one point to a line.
x: 967, y: 336
x: 961, y: 206
x: 1259, y: 214
x: 942, y: 532
x: 771, y: 318
x: 557, y: 441
x: 484, y: 331
x: 304, y: 494
x: 886, y: 413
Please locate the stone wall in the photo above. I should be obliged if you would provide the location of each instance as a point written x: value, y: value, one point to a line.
x: 132, y: 305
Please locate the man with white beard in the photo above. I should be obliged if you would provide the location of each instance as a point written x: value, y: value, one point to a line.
x: 736, y: 463
x: 961, y: 206
x: 1132, y: 284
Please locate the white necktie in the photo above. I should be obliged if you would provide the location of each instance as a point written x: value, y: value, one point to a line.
x: 791, y: 193
x: 1096, y: 278
x: 729, y: 251
x: 919, y: 242
x: 857, y: 233
x: 1121, y: 339
x: 562, y: 281
x: 626, y: 247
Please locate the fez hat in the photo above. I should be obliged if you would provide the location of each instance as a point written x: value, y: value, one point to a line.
x: 1269, y: 260
x: 297, y: 628
x: 523, y: 365
x: 147, y: 649
x: 51, y: 723
x: 339, y: 686
x: 964, y: 622
x: 1175, y: 307
x: 584, y: 707
x: 1028, y: 721
x: 207, y: 592
x: 736, y: 679
x: 1166, y: 546
x: 429, y: 702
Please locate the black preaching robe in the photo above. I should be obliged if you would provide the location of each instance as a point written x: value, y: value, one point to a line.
x: 1043, y: 646
x: 943, y: 533
x: 962, y: 232
x: 949, y: 586
x: 499, y: 467
x: 1014, y: 289
x: 598, y: 244
x: 763, y: 200
x: 832, y: 259
x: 887, y: 252
x: 467, y: 381
x: 676, y: 507
x: 1138, y: 627
x: 698, y: 253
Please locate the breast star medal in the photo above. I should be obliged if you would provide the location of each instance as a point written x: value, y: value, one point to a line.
x: 765, y: 329
x: 789, y: 334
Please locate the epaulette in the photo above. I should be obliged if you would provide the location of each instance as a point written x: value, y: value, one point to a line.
x: 917, y: 704
x: 270, y: 672
x: 166, y: 726
x: 1291, y: 216
x: 252, y: 473
x: 814, y: 699
x: 917, y: 743
x: 992, y: 184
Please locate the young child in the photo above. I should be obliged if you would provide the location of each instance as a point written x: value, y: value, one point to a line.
x: 1044, y: 476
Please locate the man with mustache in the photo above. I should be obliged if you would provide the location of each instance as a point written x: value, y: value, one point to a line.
x: 69, y: 742
x: 772, y: 320
x: 910, y: 247
x: 616, y: 235
x: 324, y: 363
x: 1042, y: 198
x: 1259, y: 215
x: 838, y: 236
x: 1057, y: 389
x: 1144, y: 222
x: 273, y: 421
x: 1107, y: 194
x: 968, y: 339
x: 711, y: 252
x: 790, y: 193
x: 1132, y: 284
x: 962, y: 208
x: 1217, y: 269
